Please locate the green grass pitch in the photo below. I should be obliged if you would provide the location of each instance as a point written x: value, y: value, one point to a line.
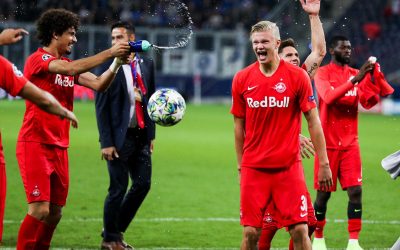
x: 194, y: 199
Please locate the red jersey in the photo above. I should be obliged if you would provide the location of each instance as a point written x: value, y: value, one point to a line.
x: 39, y: 126
x: 271, y: 107
x: 338, y: 102
x: 12, y: 81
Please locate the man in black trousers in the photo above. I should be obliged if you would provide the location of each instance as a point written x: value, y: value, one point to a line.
x: 126, y: 138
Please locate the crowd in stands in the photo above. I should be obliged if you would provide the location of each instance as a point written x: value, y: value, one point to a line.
x: 206, y: 14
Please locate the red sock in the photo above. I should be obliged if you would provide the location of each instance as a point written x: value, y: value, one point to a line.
x: 3, y: 190
x: 27, y: 233
x: 319, y: 230
x: 44, y: 235
x: 354, y: 228
x: 264, y: 243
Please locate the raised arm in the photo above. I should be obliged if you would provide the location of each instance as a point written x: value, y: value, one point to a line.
x: 318, y: 44
x: 9, y: 36
x: 318, y: 140
x: 85, y: 64
x: 47, y: 102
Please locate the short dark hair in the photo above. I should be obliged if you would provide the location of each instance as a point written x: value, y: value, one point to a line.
x: 122, y: 24
x: 55, y: 21
x: 286, y: 43
x: 335, y: 39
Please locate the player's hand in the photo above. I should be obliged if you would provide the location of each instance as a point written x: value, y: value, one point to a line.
x: 306, y: 147
x: 311, y: 6
x: 9, y: 36
x: 109, y: 153
x: 368, y: 66
x: 120, y: 49
x: 325, y: 177
x: 71, y: 116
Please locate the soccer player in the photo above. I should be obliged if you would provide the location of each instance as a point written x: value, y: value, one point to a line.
x: 43, y: 140
x: 12, y: 80
x: 267, y: 100
x: 288, y: 52
x: 126, y: 142
x: 340, y: 89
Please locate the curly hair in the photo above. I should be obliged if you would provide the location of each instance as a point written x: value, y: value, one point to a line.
x: 55, y: 21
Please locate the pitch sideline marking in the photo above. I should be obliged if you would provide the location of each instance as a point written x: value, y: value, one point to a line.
x: 80, y: 219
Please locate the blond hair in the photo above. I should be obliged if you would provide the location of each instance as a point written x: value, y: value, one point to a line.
x: 266, y: 26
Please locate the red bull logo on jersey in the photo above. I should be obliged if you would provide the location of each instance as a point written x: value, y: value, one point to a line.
x: 64, y: 81
x: 352, y: 92
x: 269, y: 102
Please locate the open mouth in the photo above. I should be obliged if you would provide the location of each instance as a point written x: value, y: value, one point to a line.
x: 262, y: 55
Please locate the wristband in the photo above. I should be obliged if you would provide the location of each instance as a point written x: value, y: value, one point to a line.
x: 114, y: 67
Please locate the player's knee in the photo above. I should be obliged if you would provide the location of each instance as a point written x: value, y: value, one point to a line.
x: 251, y: 234
x: 355, y: 194
x: 298, y: 232
x: 39, y: 212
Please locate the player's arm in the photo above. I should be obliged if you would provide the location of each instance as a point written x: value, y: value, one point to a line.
x: 239, y: 139
x: 9, y: 36
x: 318, y: 140
x: 47, y: 102
x: 102, y: 82
x: 85, y: 64
x: 326, y: 91
x: 318, y: 45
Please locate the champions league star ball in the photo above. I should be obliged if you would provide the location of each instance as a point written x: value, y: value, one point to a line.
x: 166, y: 107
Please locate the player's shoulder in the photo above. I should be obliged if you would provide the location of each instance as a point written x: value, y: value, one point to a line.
x: 40, y: 55
x: 247, y: 70
x: 293, y: 69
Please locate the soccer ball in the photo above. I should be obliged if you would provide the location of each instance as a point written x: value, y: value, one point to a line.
x: 166, y: 107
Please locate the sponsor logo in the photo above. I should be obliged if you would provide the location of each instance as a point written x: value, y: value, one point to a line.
x: 269, y: 102
x: 64, y: 81
x: 352, y: 92
x: 359, y: 179
x: 46, y: 57
x: 251, y: 88
x: 17, y: 72
x: 302, y: 215
x: 357, y: 210
x: 280, y: 87
x: 36, y: 192
x: 319, y: 212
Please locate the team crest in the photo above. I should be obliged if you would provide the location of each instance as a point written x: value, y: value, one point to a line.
x: 267, y: 218
x: 17, y: 72
x: 46, y: 57
x: 36, y: 192
x: 280, y: 87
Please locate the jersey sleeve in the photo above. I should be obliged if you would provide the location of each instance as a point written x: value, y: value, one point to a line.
x: 326, y: 91
x: 368, y: 92
x: 238, y: 104
x: 38, y: 63
x: 306, y: 97
x: 11, y: 78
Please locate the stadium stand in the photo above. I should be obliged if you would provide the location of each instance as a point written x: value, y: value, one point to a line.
x: 212, y: 57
